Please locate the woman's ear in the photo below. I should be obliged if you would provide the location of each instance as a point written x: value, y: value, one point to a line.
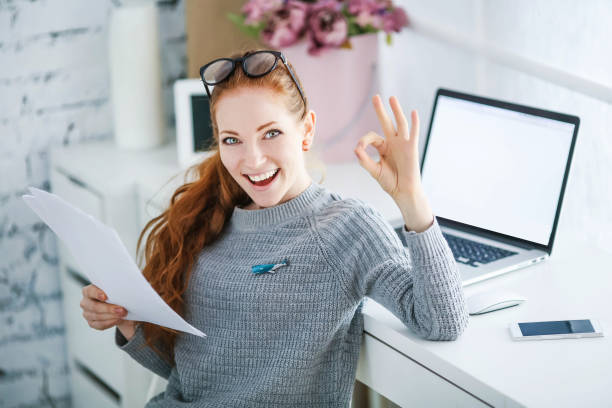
x: 309, y: 130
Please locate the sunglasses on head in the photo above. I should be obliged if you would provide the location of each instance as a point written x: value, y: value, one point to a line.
x: 256, y: 64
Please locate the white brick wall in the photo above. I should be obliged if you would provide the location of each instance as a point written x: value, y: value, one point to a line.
x: 54, y: 90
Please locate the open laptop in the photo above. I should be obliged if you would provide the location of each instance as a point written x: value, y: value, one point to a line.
x: 495, y: 174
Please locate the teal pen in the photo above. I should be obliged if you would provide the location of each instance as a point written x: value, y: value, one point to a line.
x: 258, y: 269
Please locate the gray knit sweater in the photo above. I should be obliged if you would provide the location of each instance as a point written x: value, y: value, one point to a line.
x: 291, y: 338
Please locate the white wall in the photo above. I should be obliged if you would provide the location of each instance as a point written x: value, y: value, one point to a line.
x: 571, y: 36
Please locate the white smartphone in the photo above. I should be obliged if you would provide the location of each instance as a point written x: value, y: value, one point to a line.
x: 558, y: 329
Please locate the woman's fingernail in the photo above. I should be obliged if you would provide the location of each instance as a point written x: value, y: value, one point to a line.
x: 101, y: 296
x: 118, y: 311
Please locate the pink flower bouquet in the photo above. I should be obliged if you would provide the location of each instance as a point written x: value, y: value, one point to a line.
x: 324, y: 23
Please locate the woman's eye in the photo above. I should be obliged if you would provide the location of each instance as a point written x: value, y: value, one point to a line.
x: 273, y: 132
x: 230, y: 140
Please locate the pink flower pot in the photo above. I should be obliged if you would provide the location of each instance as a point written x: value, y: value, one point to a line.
x: 339, y: 84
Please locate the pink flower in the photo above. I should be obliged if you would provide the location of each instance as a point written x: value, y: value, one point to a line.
x: 286, y: 25
x: 394, y: 20
x: 357, y: 7
x: 285, y: 22
x: 366, y: 18
x: 327, y: 26
x: 379, y: 14
x: 254, y: 10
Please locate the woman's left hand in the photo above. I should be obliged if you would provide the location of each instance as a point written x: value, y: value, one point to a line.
x: 398, y: 171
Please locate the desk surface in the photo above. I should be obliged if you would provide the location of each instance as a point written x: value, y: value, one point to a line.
x: 485, y: 361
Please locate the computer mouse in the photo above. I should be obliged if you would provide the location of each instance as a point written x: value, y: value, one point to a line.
x: 490, y: 301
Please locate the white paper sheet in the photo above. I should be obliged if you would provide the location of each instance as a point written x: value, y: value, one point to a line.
x: 105, y: 261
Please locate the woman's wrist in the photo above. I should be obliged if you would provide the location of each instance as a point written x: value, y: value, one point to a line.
x: 416, y: 212
x: 408, y: 229
x: 127, y: 329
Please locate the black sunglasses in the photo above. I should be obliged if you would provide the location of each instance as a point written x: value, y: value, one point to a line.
x: 256, y: 64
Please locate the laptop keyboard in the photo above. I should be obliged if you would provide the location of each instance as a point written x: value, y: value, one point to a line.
x: 468, y: 252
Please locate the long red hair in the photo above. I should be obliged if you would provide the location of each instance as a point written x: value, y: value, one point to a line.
x: 199, y: 210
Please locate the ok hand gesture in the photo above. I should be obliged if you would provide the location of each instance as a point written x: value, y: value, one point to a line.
x: 398, y: 171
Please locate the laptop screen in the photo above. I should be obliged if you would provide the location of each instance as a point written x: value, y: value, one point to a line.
x: 497, y: 169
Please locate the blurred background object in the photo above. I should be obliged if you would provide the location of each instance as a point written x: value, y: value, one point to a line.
x: 340, y: 84
x: 135, y: 75
x: 210, y: 35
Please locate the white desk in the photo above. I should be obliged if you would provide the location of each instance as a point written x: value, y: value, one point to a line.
x: 487, y: 363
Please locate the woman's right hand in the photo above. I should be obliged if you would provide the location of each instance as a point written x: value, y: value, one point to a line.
x: 101, y: 315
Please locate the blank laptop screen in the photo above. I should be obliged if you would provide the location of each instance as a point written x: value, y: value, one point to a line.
x: 495, y: 168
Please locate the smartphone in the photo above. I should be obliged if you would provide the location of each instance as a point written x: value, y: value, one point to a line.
x: 558, y: 329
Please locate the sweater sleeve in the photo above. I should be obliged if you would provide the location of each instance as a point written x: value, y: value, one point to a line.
x: 419, y: 283
x: 137, y: 348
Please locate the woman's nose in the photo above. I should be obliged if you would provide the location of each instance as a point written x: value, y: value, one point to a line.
x: 254, y: 156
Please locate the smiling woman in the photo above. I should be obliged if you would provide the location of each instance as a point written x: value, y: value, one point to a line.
x: 273, y: 267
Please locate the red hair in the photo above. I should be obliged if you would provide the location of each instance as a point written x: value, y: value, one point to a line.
x: 199, y: 210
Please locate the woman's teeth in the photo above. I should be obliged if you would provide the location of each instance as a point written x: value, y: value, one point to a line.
x: 263, y: 176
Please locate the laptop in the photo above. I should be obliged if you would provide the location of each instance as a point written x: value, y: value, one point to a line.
x: 495, y: 174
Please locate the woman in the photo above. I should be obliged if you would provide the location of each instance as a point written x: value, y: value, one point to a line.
x: 287, y: 335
